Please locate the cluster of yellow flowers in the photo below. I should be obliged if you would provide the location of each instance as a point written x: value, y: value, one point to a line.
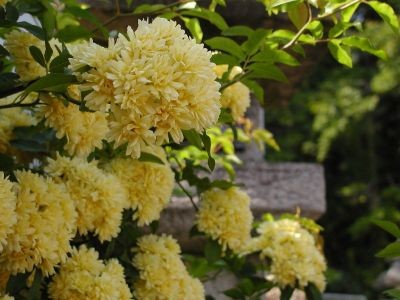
x: 84, y: 131
x: 162, y: 274
x: 84, y: 276
x: 7, y: 209
x: 149, y: 186
x: 292, y: 250
x: 235, y: 97
x: 45, y: 223
x: 225, y: 216
x: 11, y: 118
x: 99, y: 197
x: 154, y: 83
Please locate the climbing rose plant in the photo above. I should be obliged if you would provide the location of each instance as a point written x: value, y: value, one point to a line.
x: 99, y: 129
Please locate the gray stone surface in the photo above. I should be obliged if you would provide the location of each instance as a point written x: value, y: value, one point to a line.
x: 273, y: 187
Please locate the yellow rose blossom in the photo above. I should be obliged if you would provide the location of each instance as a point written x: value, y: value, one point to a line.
x: 225, y: 216
x: 236, y: 97
x: 8, y: 216
x: 46, y: 222
x: 292, y: 250
x: 99, y: 197
x: 84, y: 131
x: 149, y: 186
x: 155, y: 82
x: 11, y: 118
x: 162, y: 274
x: 84, y: 277
x: 18, y: 43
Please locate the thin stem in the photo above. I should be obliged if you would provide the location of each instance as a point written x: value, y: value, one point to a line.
x: 19, y: 104
x: 236, y: 79
x: 187, y: 194
x: 117, y: 7
x: 302, y: 29
x: 338, y: 9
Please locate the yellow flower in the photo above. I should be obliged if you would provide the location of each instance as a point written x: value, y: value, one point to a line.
x: 292, y: 250
x: 99, y: 197
x: 7, y: 209
x: 162, y: 274
x: 46, y: 222
x: 149, y: 186
x: 84, y: 277
x: 236, y: 97
x: 84, y: 130
x: 225, y: 216
x: 11, y: 118
x: 155, y: 82
x: 18, y: 43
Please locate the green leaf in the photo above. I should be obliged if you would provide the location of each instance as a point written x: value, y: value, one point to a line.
x: 246, y: 286
x: 207, y: 146
x: 394, y: 293
x: 287, y: 293
x: 234, y: 293
x: 194, y: 27
x: 148, y: 8
x: 8, y: 80
x: 86, y: 14
x: 390, y: 251
x: 341, y: 54
x: 212, y: 251
x: 211, y: 16
x: 37, y: 56
x: 48, y: 52
x: 35, y: 30
x: 267, y: 71
x: 365, y: 45
x: 275, y: 56
x: 148, y: 157
x: 298, y: 14
x: 50, y: 83
x: 224, y: 59
x: 339, y: 28
x: 386, y: 12
x: 257, y: 89
x: 34, y: 292
x: 227, y: 45
x: 390, y: 227
x: 72, y: 33
x: 312, y: 292
x: 316, y: 28
x: 59, y: 63
x: 255, y: 41
x: 225, y: 116
x: 348, y: 13
x: 12, y: 13
x: 16, y: 283
x: 222, y: 184
x: 239, y: 30
x: 193, y: 138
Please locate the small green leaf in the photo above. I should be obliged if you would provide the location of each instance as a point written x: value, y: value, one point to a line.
x: 148, y: 8
x: 390, y: 227
x: 48, y: 52
x: 59, y: 63
x: 312, y: 292
x: 227, y: 45
x: 234, y: 294
x: 212, y: 251
x: 390, y: 251
x: 35, y: 30
x: 365, y: 45
x: 51, y: 82
x: 257, y: 89
x: 298, y: 14
x: 386, y: 12
x: 341, y: 54
x: 194, y: 27
x: 266, y: 71
x: 348, y: 13
x: 224, y: 59
x: 148, y: 157
x: 193, y: 138
x: 37, y: 56
x: 316, y: 28
x: 72, y: 33
x: 12, y: 13
x: 225, y: 116
x: 275, y: 56
x: 239, y: 30
x: 211, y: 16
x: 287, y: 293
x: 34, y: 292
x: 256, y: 39
x: 246, y: 286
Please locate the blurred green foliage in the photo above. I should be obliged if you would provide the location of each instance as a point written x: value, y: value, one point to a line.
x: 355, y: 117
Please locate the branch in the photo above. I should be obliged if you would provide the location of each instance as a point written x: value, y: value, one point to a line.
x: 338, y: 9
x: 302, y: 29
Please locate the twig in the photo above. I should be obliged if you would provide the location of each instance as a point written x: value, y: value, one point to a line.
x: 302, y: 29
x: 337, y: 9
x: 19, y: 104
x: 187, y: 194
